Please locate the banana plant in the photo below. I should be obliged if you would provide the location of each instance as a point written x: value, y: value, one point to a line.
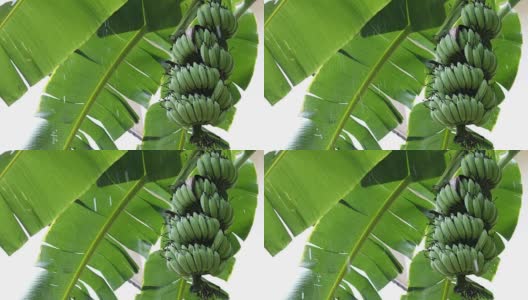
x: 107, y: 63
x: 370, y: 217
x: 104, y: 213
x: 354, y: 100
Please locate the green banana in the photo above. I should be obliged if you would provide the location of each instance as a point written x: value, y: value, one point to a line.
x: 463, y: 241
x: 198, y: 237
x: 462, y: 91
x: 220, y: 169
x: 201, y: 65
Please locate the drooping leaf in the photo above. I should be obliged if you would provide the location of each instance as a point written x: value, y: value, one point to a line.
x: 87, y: 103
x: 300, y: 37
x: 418, y: 165
x: 89, y: 243
x: 157, y: 15
x: 354, y: 93
x: 36, y: 36
x: 353, y: 244
x: 399, y: 14
x: 332, y: 113
x: 153, y: 165
x: 299, y: 190
x: 36, y: 186
x: 508, y: 199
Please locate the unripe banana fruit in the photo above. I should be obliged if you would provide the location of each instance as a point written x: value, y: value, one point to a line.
x: 463, y: 240
x: 219, y: 169
x: 197, y: 233
x: 482, y: 169
x: 461, y: 93
x: 198, y: 94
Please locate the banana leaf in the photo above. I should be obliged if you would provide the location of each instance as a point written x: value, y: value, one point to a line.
x: 87, y: 102
x: 36, y: 37
x: 29, y: 185
x: 353, y: 245
x: 89, y: 245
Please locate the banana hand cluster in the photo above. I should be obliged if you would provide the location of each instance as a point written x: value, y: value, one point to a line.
x: 216, y: 207
x: 464, y: 193
x: 482, y: 169
x: 457, y: 260
x: 451, y: 197
x: 215, y: 16
x: 198, y: 243
x: 193, y: 260
x: 463, y: 240
x: 482, y: 19
x: 457, y: 228
x: 219, y: 169
x: 198, y: 93
x: 461, y: 92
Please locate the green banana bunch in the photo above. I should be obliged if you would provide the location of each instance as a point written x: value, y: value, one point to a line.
x: 198, y: 243
x: 216, y: 17
x: 195, y: 109
x: 186, y: 47
x: 451, y: 197
x: 457, y: 259
x: 482, y: 208
x: 457, y: 228
x: 196, y: 228
x: 198, y: 80
x: 218, y: 208
x: 463, y: 239
x: 482, y: 19
x: 194, y: 260
x: 219, y: 169
x: 462, y: 91
x: 482, y: 169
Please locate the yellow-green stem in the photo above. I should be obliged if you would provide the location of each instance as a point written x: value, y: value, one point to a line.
x: 507, y: 158
x: 242, y: 159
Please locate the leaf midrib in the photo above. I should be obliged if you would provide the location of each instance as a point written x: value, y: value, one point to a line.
x: 370, y: 227
x: 102, y: 232
x: 10, y: 164
x: 180, y: 290
x: 281, y: 4
x: 445, y: 290
x: 14, y: 8
x: 102, y: 83
x: 275, y: 162
x: 181, y: 144
x: 366, y: 83
x: 445, y: 140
